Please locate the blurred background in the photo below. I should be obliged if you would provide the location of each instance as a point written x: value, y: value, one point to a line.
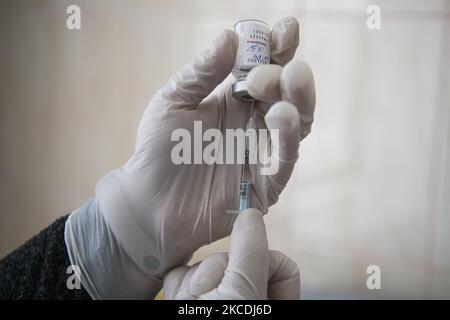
x: 373, y: 183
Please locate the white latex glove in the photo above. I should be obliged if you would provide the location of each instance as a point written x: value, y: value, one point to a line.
x: 158, y: 213
x: 248, y: 271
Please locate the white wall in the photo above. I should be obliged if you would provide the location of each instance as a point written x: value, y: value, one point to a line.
x: 372, y: 186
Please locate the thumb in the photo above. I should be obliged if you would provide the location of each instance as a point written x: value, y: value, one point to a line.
x: 247, y: 272
x: 189, y: 86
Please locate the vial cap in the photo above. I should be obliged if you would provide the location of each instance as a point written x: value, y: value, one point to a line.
x: 239, y: 91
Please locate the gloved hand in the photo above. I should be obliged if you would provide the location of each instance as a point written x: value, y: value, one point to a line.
x: 151, y: 214
x: 248, y: 271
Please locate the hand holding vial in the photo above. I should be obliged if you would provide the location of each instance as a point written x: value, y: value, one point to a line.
x: 159, y: 212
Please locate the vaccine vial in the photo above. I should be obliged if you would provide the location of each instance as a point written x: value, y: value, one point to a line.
x: 253, y: 51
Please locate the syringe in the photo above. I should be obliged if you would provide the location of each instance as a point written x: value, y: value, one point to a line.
x: 246, y: 181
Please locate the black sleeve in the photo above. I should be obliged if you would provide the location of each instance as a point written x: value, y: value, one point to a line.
x: 37, y: 269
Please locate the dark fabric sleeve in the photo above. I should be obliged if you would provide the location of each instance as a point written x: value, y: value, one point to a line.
x: 37, y: 269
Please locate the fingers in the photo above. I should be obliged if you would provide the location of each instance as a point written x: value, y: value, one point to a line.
x: 208, y: 274
x: 293, y: 83
x: 247, y: 271
x: 173, y: 281
x: 292, y: 116
x: 263, y: 83
x: 284, y: 281
x: 283, y: 122
x: 189, y: 86
x: 187, y: 283
x: 284, y: 40
x: 297, y: 87
x: 284, y: 117
x: 184, y: 292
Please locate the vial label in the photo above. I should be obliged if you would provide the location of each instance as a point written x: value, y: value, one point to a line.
x: 254, y: 44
